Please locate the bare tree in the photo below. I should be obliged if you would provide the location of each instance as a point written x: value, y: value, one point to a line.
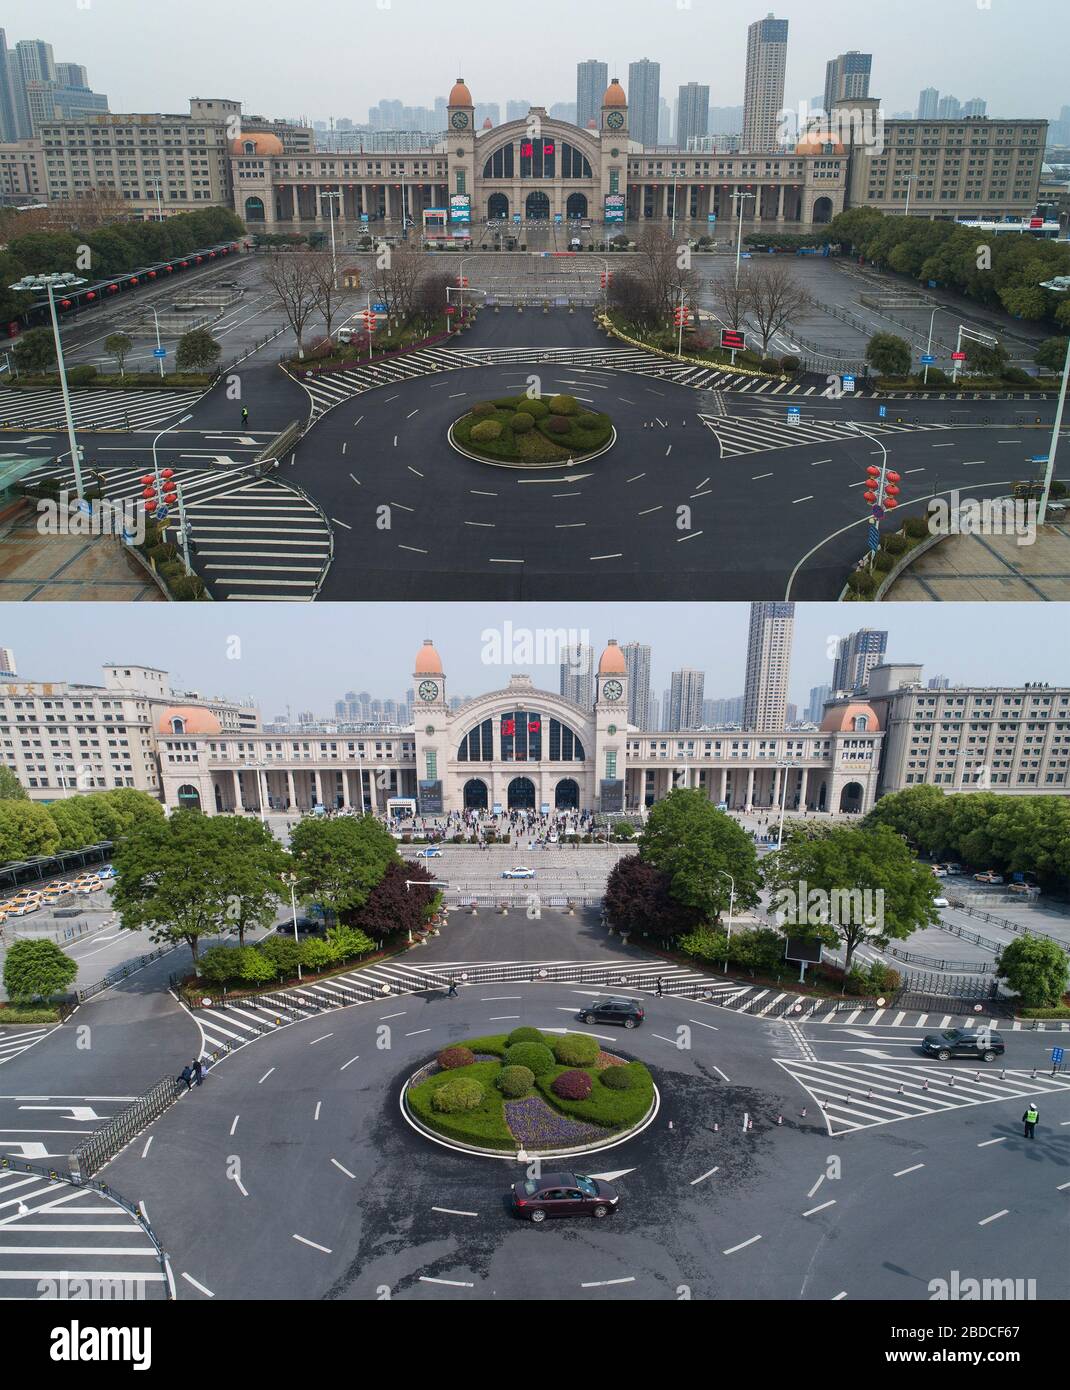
x: 733, y: 301
x: 394, y: 277
x: 293, y: 279
x: 429, y: 300
x: 631, y: 296
x: 664, y: 265
x: 775, y: 298
x: 328, y: 298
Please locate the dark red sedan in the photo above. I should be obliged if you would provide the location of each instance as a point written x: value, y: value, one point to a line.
x: 564, y: 1194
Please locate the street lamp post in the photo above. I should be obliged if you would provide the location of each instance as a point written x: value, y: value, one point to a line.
x: 910, y: 180
x: 331, y: 196
x: 731, y: 900
x: 785, y: 766
x: 291, y: 881
x: 156, y: 317
x: 50, y: 283
x: 1060, y: 285
x: 741, y: 197
x: 929, y: 348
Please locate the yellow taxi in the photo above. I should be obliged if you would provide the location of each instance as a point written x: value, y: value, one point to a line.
x: 52, y: 892
x: 22, y: 903
x: 87, y: 883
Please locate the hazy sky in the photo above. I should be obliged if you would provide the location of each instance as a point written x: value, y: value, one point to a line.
x: 337, y: 57
x: 308, y: 657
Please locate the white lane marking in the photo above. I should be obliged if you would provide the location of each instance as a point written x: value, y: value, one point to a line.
x: 497, y: 998
x: 265, y: 1076
x: 501, y: 1018
x: 839, y: 1296
x: 148, y: 1141
x: 816, y: 1185
x: 313, y: 1244
x: 190, y: 1280
x: 903, y: 1171
x: 756, y: 476
x: 987, y: 1142
x: 830, y: 1203
x: 453, y: 1283
x: 721, y: 1074
x: 671, y: 1041
x: 696, y: 1181
x: 400, y: 1015
x: 795, y: 500
x: 605, y: 1283
x: 341, y: 523
x: 234, y: 1126
x: 316, y: 1116
x: 322, y: 1038
x: 451, y: 1211
x: 418, y: 1030
x: 994, y: 1217
x: 732, y: 1249
x: 700, y: 1023
x: 240, y: 1187
x: 344, y: 1170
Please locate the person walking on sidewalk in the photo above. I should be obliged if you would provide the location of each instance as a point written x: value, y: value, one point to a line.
x: 1029, y: 1119
x: 186, y: 1075
x: 244, y: 415
x: 451, y: 993
x: 660, y: 991
x: 198, y: 1071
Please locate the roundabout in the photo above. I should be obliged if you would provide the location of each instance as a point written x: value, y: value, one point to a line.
x: 530, y: 431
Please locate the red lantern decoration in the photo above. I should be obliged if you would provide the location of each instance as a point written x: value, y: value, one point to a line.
x: 146, y: 479
x: 113, y: 289
x: 892, y: 477
x: 892, y: 490
x: 870, y: 497
x: 65, y: 304
x: 149, y: 495
x: 890, y: 502
x: 873, y: 470
x: 167, y: 472
x: 90, y: 295
x: 152, y: 275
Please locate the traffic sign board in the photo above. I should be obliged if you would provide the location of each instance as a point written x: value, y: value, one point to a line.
x: 159, y: 352
x: 882, y: 411
x: 1057, y: 1055
x: 733, y: 338
x: 745, y: 256
x: 379, y: 308
x: 794, y: 415
x: 874, y: 537
x: 848, y: 382
x: 927, y: 360
x: 958, y: 357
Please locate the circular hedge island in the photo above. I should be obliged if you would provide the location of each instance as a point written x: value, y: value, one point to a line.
x: 529, y: 1090
x: 532, y: 431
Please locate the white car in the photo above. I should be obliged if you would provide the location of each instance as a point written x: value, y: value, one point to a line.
x: 941, y: 902
x: 430, y: 853
x: 518, y: 871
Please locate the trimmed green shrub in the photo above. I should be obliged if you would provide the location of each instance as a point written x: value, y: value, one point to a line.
x: 557, y: 424
x: 588, y: 420
x: 451, y: 1057
x: 916, y: 527
x: 937, y: 377
x: 572, y: 1085
x: 790, y: 364
x: 483, y: 408
x: 486, y: 430
x: 533, y: 405
x: 462, y: 1093
x: 522, y: 422
x: 514, y: 1082
x: 537, y: 1057
x: 83, y: 375
x: 170, y: 569
x: 619, y: 1078
x: 564, y: 405
x: 576, y: 1050
x: 1017, y: 377
x: 861, y: 582
x: 896, y: 544
x: 187, y: 587
x: 883, y: 561
x: 770, y: 365
x: 519, y: 1035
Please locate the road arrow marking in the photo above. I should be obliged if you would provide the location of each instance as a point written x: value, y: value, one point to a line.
x: 565, y: 478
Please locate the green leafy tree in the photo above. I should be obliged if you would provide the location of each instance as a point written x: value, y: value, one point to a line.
x: 12, y: 302
x: 706, y: 944
x: 889, y: 355
x: 26, y: 829
x: 691, y: 843
x: 35, y: 351
x: 868, y: 885
x: 256, y: 968
x: 1051, y: 354
x: 221, y: 964
x: 173, y: 879
x: 339, y: 862
x: 921, y: 814
x: 1036, y: 969
x: 11, y: 789
x: 985, y: 359
x: 197, y: 351
x: 283, y: 952
x: 107, y: 822
x: 74, y: 823
x: 254, y: 886
x: 37, y: 970
x: 346, y: 942
x: 118, y: 345
x: 316, y: 954
x: 392, y: 907
x: 638, y: 898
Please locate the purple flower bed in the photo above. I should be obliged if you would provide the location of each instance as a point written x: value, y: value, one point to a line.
x: 535, y: 1125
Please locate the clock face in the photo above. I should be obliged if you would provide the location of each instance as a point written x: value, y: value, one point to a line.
x: 459, y: 120
x: 612, y: 690
x: 615, y: 120
x: 428, y: 690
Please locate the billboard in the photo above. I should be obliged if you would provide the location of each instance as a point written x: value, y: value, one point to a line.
x: 614, y: 209
x: 612, y: 794
x: 430, y: 798
x: 803, y: 948
x: 460, y: 207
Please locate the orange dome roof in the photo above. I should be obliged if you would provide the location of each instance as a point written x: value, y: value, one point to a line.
x: 193, y: 720
x: 263, y: 144
x: 814, y: 142
x: 841, y: 719
x: 615, y: 94
x: 428, y: 661
x: 612, y: 662
x: 460, y: 96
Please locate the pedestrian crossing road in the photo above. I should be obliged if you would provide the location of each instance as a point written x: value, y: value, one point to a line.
x: 746, y: 434
x: 93, y: 410
x: 13, y: 1042
x: 861, y: 1095
x: 253, y: 538
x: 59, y: 1241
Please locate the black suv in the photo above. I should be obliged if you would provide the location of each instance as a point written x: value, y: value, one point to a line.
x: 625, y: 1011
x: 960, y: 1042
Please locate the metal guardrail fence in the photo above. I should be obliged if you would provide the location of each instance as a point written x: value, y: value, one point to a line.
x: 99, y: 1148
x: 18, y: 1165
x: 1007, y: 924
x: 114, y: 976
x: 952, y: 967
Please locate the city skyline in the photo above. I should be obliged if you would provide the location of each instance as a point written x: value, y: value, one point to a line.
x: 970, y: 45
x: 299, y: 658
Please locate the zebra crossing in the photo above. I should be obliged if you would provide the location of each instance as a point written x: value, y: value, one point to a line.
x: 863, y: 1095
x: 60, y: 1241
x: 329, y: 389
x: 739, y: 434
x: 93, y: 410
x: 254, y: 538
x: 13, y: 1044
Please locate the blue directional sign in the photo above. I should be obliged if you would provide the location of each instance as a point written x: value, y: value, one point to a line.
x: 745, y: 256
x: 874, y: 537
x: 159, y: 352
x: 516, y: 218
x: 848, y: 382
x: 794, y: 415
x: 1056, y: 1055
x: 1039, y: 458
x: 379, y: 308
x: 927, y: 359
x: 160, y: 514
x: 882, y: 411
x: 711, y: 217
x: 558, y: 219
